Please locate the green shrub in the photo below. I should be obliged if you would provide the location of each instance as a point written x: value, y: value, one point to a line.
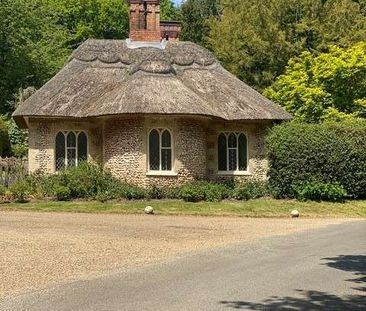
x: 250, y: 190
x: 204, y: 191
x: 332, y: 153
x: 85, y: 180
x: 155, y: 192
x: 133, y: 193
x: 317, y: 191
x: 104, y: 196
x: 172, y: 193
x: 5, y: 148
x: 21, y: 190
x: 3, y: 190
x: 62, y: 193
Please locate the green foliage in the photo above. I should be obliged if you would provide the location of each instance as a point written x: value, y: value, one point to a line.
x: 195, y: 16
x: 250, y: 190
x: 62, y: 193
x: 333, y: 153
x: 168, y: 11
x: 32, y: 46
x: 172, y: 193
x: 91, y: 19
x: 329, y: 86
x: 3, y: 190
x: 203, y: 191
x: 21, y: 190
x: 104, y: 196
x: 318, y: 191
x: 256, y: 39
x: 37, y: 36
x: 155, y: 192
x: 5, y: 149
x: 18, y: 138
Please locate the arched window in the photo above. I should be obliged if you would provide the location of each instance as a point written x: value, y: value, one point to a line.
x: 160, y: 150
x: 232, y: 152
x: 71, y: 149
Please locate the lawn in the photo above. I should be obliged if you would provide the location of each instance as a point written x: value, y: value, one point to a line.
x: 252, y: 208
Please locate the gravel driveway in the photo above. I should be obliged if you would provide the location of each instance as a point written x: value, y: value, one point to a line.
x: 37, y: 249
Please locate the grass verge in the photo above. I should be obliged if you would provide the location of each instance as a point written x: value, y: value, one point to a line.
x: 252, y: 208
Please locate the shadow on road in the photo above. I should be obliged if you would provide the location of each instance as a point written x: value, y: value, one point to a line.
x: 316, y: 300
x: 350, y: 263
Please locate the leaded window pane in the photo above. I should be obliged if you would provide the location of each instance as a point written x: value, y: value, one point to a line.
x: 222, y: 152
x: 232, y: 140
x: 166, y: 159
x: 232, y: 160
x: 242, y: 153
x: 82, y: 147
x: 71, y: 140
x: 71, y: 157
x: 60, y: 151
x: 166, y: 139
x: 154, y: 150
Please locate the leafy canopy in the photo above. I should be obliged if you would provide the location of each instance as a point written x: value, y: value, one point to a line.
x: 330, y: 86
x: 32, y: 46
x: 255, y: 39
x: 195, y: 16
x: 167, y: 10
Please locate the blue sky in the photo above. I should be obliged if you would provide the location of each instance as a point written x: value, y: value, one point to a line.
x: 177, y: 1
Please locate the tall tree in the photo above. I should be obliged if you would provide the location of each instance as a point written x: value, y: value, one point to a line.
x: 329, y: 86
x: 31, y: 46
x: 195, y: 15
x: 100, y: 19
x: 168, y: 11
x: 255, y: 39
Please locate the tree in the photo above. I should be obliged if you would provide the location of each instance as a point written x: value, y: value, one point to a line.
x: 99, y: 19
x: 256, y: 39
x: 31, y: 46
x: 37, y: 36
x: 168, y: 11
x: 195, y: 16
x: 328, y: 86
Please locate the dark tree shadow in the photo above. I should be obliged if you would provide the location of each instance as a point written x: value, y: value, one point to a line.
x: 316, y: 300
x: 309, y: 300
x: 350, y: 263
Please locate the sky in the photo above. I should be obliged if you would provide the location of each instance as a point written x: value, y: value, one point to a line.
x: 177, y: 1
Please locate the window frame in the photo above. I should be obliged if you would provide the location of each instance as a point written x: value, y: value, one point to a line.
x: 227, y: 150
x: 161, y: 172
x: 76, y: 148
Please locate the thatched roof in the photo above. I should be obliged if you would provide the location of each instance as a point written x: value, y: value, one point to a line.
x: 106, y: 77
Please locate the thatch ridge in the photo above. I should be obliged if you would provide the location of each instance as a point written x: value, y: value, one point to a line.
x: 105, y: 77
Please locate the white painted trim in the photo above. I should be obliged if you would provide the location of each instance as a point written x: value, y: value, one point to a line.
x: 234, y: 173
x: 161, y: 173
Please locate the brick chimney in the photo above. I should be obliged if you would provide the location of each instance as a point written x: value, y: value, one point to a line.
x: 145, y: 20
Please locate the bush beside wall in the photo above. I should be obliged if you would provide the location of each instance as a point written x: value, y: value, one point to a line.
x: 329, y: 153
x: 89, y: 181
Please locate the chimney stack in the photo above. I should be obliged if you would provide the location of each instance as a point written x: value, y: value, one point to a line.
x: 145, y: 20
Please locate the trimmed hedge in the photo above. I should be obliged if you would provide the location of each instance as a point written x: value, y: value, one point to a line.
x: 330, y: 153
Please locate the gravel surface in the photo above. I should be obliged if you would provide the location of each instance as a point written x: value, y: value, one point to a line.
x: 38, y: 249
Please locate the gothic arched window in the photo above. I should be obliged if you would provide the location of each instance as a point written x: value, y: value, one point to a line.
x: 160, y: 150
x: 71, y: 149
x: 232, y: 151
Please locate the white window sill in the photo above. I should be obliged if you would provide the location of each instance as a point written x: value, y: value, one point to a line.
x: 161, y: 173
x: 233, y: 173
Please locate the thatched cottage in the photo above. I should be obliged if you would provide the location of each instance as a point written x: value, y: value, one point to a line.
x: 152, y: 110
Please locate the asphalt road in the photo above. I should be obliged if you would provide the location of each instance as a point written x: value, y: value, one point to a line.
x: 323, y: 269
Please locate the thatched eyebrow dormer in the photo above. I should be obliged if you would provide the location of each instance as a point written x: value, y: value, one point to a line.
x: 106, y: 77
